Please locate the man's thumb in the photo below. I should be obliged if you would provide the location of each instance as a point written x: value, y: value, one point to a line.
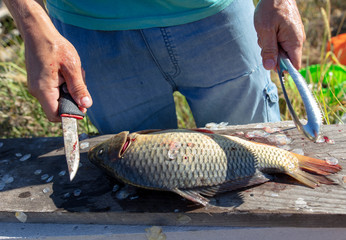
x: 77, y: 87
x: 269, y: 51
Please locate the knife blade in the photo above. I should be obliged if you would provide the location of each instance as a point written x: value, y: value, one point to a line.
x: 70, y: 113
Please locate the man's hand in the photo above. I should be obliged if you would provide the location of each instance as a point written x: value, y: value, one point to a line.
x: 278, y: 22
x: 49, y: 63
x: 50, y: 59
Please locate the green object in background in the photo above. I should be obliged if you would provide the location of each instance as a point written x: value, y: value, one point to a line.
x: 333, y: 79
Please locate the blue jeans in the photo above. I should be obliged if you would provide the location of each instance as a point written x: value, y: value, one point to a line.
x: 215, y: 63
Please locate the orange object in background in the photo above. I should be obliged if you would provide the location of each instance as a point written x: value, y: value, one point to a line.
x: 339, y: 47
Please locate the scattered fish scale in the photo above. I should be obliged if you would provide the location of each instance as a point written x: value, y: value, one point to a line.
x: 6, y: 161
x: 50, y: 179
x: 257, y: 134
x: 46, y: 190
x: 271, y: 130
x: 84, y: 145
x: 25, y: 157
x: 77, y: 192
x: 332, y: 160
x: 279, y: 139
x: 67, y: 195
x: 325, y: 139
x: 7, y: 179
x: 125, y: 192
x: 298, y: 150
x: 44, y: 177
x: 21, y: 216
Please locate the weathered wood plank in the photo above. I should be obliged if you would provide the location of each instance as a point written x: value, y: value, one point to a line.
x: 279, y: 203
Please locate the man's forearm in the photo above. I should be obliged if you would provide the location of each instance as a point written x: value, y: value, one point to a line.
x: 29, y: 15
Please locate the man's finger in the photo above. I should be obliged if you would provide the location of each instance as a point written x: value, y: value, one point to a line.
x: 74, y: 79
x: 295, y: 55
x: 269, y: 47
x: 49, y: 103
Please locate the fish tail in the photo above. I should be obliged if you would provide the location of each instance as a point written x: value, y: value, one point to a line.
x: 313, y: 171
x: 317, y: 166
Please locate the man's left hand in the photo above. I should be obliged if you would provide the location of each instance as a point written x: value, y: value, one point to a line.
x: 278, y: 22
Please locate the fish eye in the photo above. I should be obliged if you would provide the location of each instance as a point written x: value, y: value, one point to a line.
x: 100, y: 152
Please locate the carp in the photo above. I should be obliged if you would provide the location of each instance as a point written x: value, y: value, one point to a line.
x: 197, y: 164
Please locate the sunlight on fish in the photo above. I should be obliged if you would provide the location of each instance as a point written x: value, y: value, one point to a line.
x: 197, y: 164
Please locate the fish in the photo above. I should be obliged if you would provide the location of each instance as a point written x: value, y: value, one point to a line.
x: 198, y: 164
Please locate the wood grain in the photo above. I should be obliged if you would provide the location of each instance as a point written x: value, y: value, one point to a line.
x: 282, y: 202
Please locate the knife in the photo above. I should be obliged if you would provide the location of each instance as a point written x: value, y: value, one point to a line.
x: 70, y: 113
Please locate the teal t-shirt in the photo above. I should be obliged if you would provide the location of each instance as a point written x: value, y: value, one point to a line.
x: 132, y: 14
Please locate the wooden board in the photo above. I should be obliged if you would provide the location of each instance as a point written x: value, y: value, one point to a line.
x: 283, y: 202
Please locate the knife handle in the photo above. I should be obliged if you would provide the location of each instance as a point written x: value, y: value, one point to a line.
x: 67, y: 106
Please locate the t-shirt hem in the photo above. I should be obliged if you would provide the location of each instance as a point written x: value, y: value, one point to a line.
x: 106, y: 24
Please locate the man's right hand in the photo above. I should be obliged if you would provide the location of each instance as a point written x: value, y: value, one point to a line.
x: 50, y: 59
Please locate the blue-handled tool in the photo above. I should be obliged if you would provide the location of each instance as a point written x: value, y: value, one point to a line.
x: 312, y: 129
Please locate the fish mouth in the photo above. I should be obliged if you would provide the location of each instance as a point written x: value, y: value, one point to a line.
x: 111, y: 149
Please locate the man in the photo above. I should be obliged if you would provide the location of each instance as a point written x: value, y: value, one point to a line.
x: 137, y: 53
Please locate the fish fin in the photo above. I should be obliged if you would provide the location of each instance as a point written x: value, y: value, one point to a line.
x: 257, y: 178
x: 309, y: 179
x: 313, y: 171
x: 315, y: 165
x: 192, y: 196
x: 148, y: 131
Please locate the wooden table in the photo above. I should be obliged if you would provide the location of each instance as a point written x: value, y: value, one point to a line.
x: 89, y: 197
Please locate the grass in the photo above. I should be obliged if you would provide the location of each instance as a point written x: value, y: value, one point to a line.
x: 22, y: 116
x: 20, y: 113
x: 323, y: 72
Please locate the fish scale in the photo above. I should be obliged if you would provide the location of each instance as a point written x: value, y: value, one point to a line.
x: 193, y: 162
x: 222, y: 162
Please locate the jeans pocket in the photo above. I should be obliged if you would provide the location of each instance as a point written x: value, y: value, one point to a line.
x: 272, y: 102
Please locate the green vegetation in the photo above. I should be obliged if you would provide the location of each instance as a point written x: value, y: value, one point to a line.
x: 328, y: 85
x: 20, y: 113
x: 22, y: 116
x: 322, y: 71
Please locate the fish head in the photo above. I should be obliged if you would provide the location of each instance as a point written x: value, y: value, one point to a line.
x: 110, y: 150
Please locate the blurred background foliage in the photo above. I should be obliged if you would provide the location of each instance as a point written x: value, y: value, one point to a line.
x: 22, y: 116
